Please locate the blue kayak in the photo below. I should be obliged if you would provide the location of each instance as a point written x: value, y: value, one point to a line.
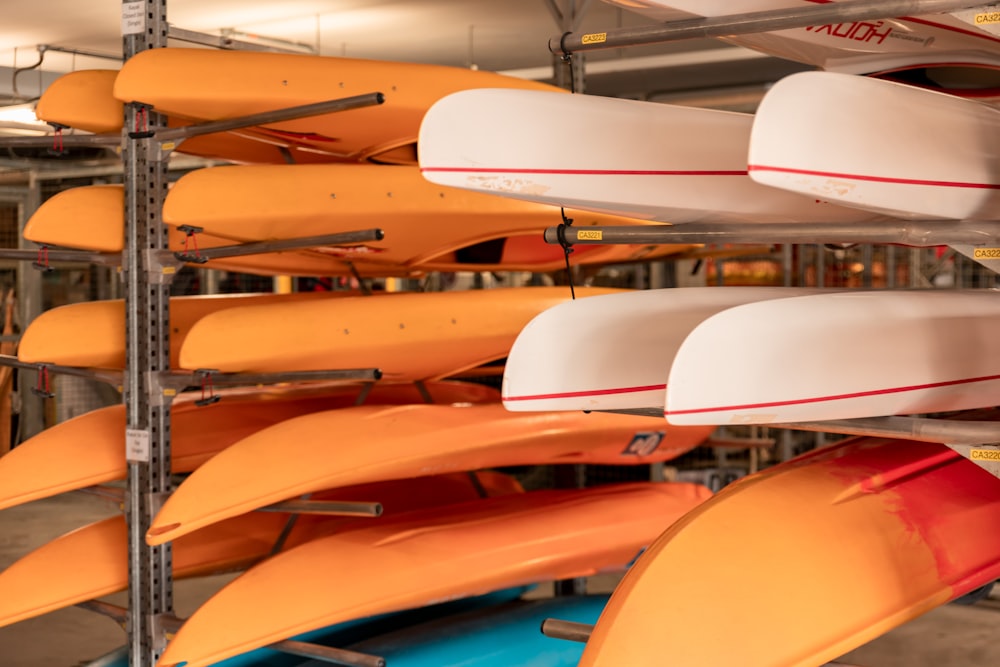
x: 507, y: 635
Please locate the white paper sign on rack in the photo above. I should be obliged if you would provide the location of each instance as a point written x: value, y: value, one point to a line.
x: 136, y: 445
x: 133, y: 18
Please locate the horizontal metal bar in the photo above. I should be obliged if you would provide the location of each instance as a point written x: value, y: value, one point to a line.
x: 904, y: 232
x: 115, y: 612
x: 80, y: 52
x: 114, y: 378
x: 753, y: 22
x: 570, y: 630
x: 227, y: 42
x: 638, y: 412
x: 261, y: 247
x: 326, y: 507
x: 739, y: 443
x: 335, y: 656
x: 62, y: 255
x: 177, y: 163
x: 179, y: 380
x: 113, y: 494
x: 67, y: 141
x: 923, y: 429
x: 276, y: 116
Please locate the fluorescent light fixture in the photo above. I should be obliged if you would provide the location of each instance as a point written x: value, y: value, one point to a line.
x: 20, y: 120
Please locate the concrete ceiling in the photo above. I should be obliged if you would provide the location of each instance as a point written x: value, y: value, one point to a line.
x: 497, y: 35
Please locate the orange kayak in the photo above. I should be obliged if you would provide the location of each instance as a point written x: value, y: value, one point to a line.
x: 428, y: 556
x: 408, y: 335
x: 85, y: 100
x: 405, y: 441
x: 808, y: 560
x: 427, y: 227
x: 92, y: 333
x: 92, y: 217
x: 193, y: 85
x: 201, y: 84
x: 92, y: 561
x: 90, y: 449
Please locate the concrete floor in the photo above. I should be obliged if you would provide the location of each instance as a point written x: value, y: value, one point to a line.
x: 952, y: 636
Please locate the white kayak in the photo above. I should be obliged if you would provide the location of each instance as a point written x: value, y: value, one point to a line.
x: 639, y: 159
x: 611, y: 353
x: 956, y: 52
x: 839, y: 356
x: 879, y: 145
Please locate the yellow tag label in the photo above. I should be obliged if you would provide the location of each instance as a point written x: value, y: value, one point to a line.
x: 169, y: 392
x: 591, y: 235
x: 168, y: 145
x: 987, y: 18
x: 986, y: 253
x: 595, y: 38
x: 167, y: 270
x: 985, y: 455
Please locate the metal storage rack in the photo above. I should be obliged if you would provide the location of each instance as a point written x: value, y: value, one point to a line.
x: 147, y: 308
x: 147, y: 268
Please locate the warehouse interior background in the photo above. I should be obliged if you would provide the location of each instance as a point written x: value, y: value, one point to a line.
x: 41, y: 41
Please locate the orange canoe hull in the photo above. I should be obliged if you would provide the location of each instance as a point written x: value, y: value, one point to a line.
x: 92, y: 333
x: 425, y: 225
x: 199, y: 85
x: 409, y: 336
x: 92, y: 561
x: 405, y: 441
x: 90, y: 449
x: 429, y: 557
x: 808, y: 560
x: 92, y: 217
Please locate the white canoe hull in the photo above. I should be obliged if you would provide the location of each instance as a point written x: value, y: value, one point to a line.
x: 839, y: 356
x: 879, y: 145
x: 637, y: 159
x: 881, y: 47
x: 615, y: 353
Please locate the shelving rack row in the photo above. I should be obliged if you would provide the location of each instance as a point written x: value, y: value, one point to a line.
x: 146, y: 277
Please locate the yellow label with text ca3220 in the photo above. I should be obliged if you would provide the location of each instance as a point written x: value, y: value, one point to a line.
x: 985, y: 455
x: 589, y: 235
x: 595, y: 38
x: 987, y: 18
x: 986, y: 253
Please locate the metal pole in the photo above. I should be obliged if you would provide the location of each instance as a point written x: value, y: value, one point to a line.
x: 820, y: 266
x: 753, y: 22
x: 29, y: 303
x: 867, y: 262
x: 569, y: 71
x: 905, y: 232
x: 568, y: 630
x: 787, y: 268
x: 923, y: 429
x: 147, y: 316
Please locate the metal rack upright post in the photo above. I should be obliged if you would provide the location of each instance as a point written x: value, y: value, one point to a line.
x: 147, y: 308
